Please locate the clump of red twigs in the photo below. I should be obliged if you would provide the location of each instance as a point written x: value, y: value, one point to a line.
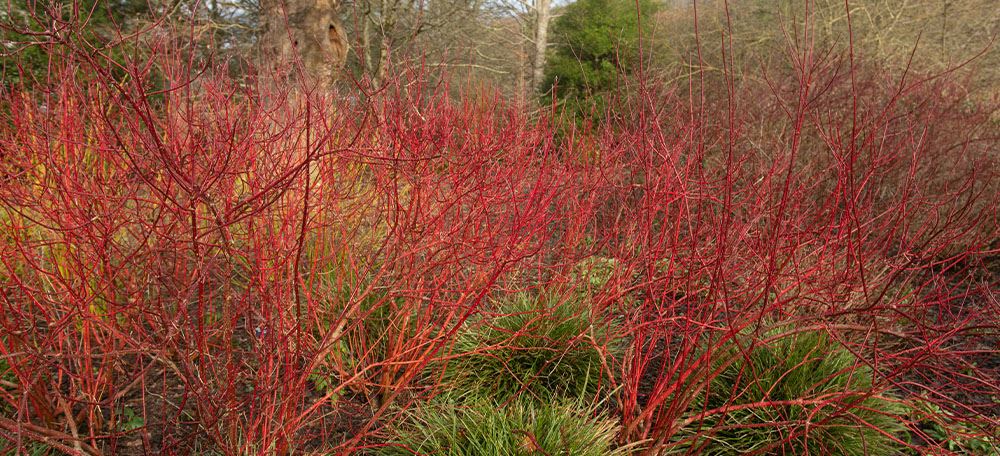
x: 192, y: 262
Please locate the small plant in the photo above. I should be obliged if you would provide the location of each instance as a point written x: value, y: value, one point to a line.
x: 542, y: 345
x: 521, y: 428
x: 593, y: 273
x: 943, y: 430
x: 131, y: 420
x: 31, y: 449
x: 796, y: 393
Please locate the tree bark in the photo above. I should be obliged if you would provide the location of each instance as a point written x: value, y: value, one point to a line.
x: 523, y: 92
x: 542, y: 14
x: 305, y: 39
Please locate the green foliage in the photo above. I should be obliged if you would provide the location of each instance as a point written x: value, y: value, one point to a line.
x: 386, y: 325
x: 365, y: 341
x: 593, y: 273
x: 369, y: 336
x: 131, y: 420
x: 798, y: 393
x: 952, y: 434
x: 5, y: 371
x: 379, y: 332
x: 540, y: 345
x: 91, y: 24
x: 595, y: 41
x: 484, y: 428
x: 7, y: 375
x: 30, y: 449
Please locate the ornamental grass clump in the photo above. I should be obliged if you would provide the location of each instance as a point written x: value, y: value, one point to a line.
x: 483, y: 427
x: 793, y: 393
x: 544, y: 346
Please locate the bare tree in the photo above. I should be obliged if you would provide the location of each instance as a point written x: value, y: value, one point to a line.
x: 543, y: 9
x: 391, y: 28
x: 515, y: 40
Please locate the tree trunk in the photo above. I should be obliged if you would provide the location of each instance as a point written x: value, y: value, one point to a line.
x: 385, y: 24
x: 366, y: 43
x: 305, y: 39
x: 383, y: 61
x: 523, y: 92
x: 542, y: 13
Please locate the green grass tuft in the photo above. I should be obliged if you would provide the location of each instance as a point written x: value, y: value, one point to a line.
x: 542, y: 346
x: 484, y: 428
x: 799, y: 393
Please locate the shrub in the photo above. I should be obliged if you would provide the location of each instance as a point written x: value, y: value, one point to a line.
x: 183, y: 253
x: 796, y: 393
x: 541, y: 345
x: 390, y: 331
x: 596, y: 42
x: 485, y: 428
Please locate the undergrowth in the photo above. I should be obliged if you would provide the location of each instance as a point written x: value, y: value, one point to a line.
x: 484, y: 427
x: 543, y: 346
x: 250, y: 265
x: 794, y: 393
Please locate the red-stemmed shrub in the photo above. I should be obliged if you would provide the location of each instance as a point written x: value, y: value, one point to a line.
x: 193, y: 262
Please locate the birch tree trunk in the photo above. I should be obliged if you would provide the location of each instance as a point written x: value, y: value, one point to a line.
x: 542, y: 13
